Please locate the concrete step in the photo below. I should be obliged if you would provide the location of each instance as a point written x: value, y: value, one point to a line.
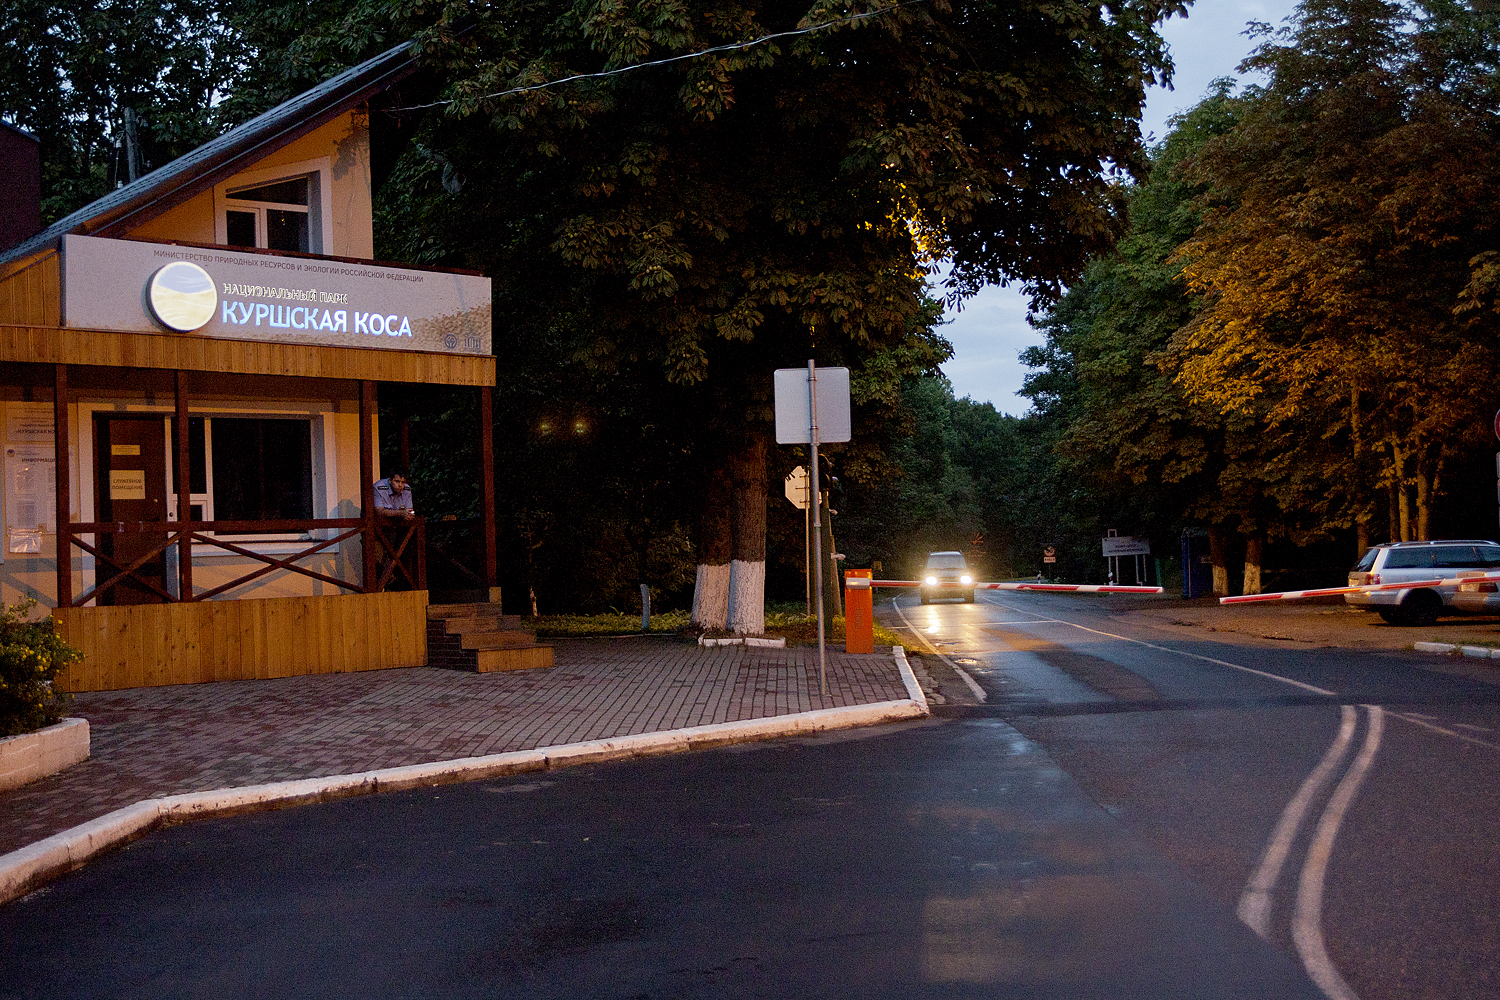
x: 499, y: 639
x: 529, y: 658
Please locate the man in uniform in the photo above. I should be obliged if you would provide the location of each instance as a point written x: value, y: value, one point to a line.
x: 393, y: 498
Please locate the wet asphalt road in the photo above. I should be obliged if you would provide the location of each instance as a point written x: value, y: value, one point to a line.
x: 1201, y: 748
x: 925, y: 860
x: 1089, y: 831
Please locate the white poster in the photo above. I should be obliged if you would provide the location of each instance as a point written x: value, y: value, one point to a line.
x: 28, y: 422
x: 30, y: 495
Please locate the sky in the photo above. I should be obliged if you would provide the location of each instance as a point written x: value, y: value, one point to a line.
x: 990, y: 330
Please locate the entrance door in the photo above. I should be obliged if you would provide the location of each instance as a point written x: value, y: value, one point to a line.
x: 132, y: 486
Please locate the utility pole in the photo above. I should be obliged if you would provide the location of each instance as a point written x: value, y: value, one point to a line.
x: 132, y: 147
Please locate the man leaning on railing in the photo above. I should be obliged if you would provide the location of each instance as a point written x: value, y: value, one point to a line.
x: 392, y: 500
x: 393, y: 497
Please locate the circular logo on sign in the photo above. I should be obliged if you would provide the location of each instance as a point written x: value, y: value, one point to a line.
x: 450, y: 341
x: 182, y: 296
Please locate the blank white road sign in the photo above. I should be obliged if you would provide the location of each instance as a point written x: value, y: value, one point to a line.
x: 793, y: 409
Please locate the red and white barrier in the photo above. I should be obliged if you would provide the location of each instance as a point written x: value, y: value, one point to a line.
x: 1065, y: 588
x: 1293, y: 595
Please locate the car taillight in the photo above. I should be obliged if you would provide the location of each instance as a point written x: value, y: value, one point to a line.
x: 1374, y: 578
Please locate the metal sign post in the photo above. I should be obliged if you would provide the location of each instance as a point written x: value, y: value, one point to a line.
x: 825, y: 419
x: 812, y: 437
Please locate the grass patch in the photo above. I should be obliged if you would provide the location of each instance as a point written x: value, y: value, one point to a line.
x: 609, y: 623
x: 789, y: 620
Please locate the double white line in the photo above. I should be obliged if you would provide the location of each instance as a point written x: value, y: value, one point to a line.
x: 1307, y: 916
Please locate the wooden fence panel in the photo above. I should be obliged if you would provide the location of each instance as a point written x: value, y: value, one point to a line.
x: 146, y: 645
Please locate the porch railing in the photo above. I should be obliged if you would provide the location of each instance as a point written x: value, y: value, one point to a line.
x: 400, y: 546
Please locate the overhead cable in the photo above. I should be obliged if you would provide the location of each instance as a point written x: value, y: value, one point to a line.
x: 727, y: 47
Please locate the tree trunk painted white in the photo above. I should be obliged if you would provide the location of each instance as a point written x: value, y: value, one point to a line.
x: 715, y: 545
x: 1253, y: 547
x: 1218, y: 549
x: 711, y: 596
x: 747, y: 597
x: 747, y: 574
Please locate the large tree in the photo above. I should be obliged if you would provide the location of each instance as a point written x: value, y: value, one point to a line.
x: 114, y: 89
x: 735, y: 212
x: 1348, y: 218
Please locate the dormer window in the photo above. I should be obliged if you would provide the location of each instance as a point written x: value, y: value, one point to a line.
x: 271, y: 216
x: 281, y: 208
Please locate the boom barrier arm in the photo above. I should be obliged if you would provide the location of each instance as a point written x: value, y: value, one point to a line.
x: 1065, y: 588
x: 1369, y: 588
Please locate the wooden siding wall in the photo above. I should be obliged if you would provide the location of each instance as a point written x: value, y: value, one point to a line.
x: 32, y: 295
x: 51, y: 345
x: 149, y: 645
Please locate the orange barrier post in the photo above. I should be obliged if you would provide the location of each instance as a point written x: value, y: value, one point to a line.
x: 859, y: 612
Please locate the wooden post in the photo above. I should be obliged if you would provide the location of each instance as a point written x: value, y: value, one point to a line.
x: 64, y: 501
x: 367, y: 478
x: 487, y: 481
x: 181, y: 471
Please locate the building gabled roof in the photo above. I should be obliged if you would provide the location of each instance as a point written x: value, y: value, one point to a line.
x: 147, y: 197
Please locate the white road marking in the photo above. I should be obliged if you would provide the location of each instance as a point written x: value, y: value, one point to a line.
x: 1477, y: 729
x: 1255, y: 901
x: 1167, y: 649
x: 963, y: 674
x: 1307, y: 922
x: 1421, y: 720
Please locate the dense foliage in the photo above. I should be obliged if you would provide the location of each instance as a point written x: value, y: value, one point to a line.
x: 1293, y: 341
x: 31, y: 655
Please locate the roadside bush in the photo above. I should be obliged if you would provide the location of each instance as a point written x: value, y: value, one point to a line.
x: 31, y: 654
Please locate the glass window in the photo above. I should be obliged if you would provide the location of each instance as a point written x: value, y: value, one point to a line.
x: 286, y: 230
x: 1366, y: 562
x: 1410, y: 559
x: 240, y: 227
x: 288, y: 192
x: 946, y: 560
x: 1455, y: 557
x: 262, y: 469
x: 275, y: 216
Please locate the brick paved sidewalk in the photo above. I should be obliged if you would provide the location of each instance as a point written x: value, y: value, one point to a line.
x: 150, y: 742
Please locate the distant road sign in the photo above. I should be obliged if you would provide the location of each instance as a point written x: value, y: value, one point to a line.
x: 1124, y: 545
x: 1049, y: 554
x: 797, y: 487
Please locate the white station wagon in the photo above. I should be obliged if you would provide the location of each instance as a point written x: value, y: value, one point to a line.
x: 1397, y: 562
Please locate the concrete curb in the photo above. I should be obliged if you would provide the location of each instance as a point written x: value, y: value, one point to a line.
x: 24, y: 870
x: 743, y: 640
x: 1448, y: 648
x: 25, y: 758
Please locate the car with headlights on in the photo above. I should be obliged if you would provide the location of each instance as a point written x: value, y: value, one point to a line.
x: 1399, y: 562
x: 947, y: 575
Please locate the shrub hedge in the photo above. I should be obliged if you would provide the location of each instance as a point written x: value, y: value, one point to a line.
x: 31, y: 654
